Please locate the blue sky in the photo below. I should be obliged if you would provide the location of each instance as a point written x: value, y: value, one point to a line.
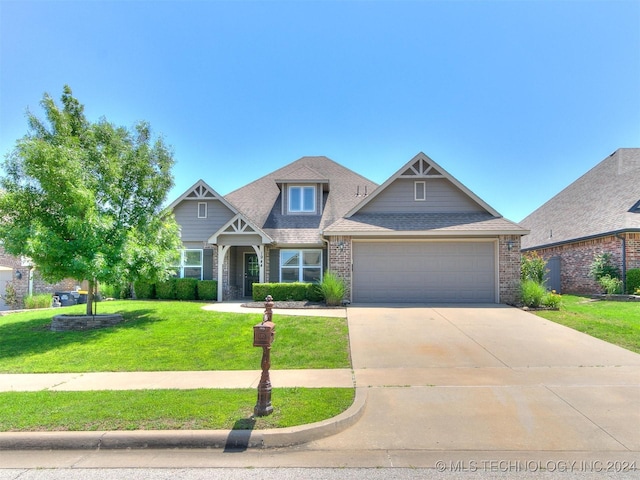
x: 516, y: 99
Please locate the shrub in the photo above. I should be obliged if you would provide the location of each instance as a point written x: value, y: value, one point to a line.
x: 533, y: 267
x: 108, y: 291
x: 297, y: 291
x: 186, y: 288
x: 115, y: 291
x: 166, y: 290
x: 552, y: 300
x: 40, y: 300
x: 532, y: 293
x: 10, y: 295
x: 610, y: 284
x: 144, y: 290
x: 633, y: 280
x: 207, y: 290
x: 603, y: 265
x: 332, y: 289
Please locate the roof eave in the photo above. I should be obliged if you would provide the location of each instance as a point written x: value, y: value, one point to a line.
x: 424, y: 233
x: 582, y: 239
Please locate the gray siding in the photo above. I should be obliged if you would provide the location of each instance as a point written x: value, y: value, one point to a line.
x: 239, y: 239
x: 442, y: 197
x: 200, y: 229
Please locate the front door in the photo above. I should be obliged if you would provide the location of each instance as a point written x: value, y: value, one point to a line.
x: 251, y: 273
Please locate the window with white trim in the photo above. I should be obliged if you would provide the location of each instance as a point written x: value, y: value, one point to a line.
x: 190, y: 264
x: 300, y: 266
x: 302, y: 199
x: 202, y: 209
x: 420, y: 191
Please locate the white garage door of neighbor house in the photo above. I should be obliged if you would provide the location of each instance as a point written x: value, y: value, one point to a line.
x: 424, y: 272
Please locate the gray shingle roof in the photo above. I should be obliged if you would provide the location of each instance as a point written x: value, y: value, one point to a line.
x: 597, y: 203
x: 434, y: 223
x: 260, y: 200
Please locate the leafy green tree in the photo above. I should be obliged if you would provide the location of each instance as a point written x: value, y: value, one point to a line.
x: 84, y: 200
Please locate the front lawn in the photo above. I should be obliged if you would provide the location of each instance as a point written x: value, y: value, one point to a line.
x: 166, y: 409
x: 161, y: 336
x: 614, y: 322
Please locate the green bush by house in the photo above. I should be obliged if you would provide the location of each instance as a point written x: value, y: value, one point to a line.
x: 144, y: 290
x: 177, y: 289
x: 633, y: 280
x: 166, y: 290
x: 39, y: 300
x: 186, y: 288
x: 297, y: 291
x: 207, y: 290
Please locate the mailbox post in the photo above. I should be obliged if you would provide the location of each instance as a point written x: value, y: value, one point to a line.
x: 263, y: 336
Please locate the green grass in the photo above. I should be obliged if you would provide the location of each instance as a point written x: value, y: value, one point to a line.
x: 161, y: 336
x: 166, y: 409
x: 614, y: 322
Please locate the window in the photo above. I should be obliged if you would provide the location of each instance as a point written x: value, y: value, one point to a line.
x: 190, y: 264
x: 202, y: 209
x: 420, y: 191
x: 302, y: 199
x: 300, y: 266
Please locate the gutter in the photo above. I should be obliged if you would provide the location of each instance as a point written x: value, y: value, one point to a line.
x: 425, y: 233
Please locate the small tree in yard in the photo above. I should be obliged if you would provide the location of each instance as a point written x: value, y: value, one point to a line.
x: 84, y: 200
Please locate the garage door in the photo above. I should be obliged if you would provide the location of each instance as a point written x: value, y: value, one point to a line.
x: 410, y: 272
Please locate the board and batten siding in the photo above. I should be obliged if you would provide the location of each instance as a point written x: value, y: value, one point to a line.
x: 200, y: 229
x: 441, y: 197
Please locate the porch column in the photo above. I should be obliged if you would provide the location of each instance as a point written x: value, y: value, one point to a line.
x: 222, y: 252
x: 259, y: 249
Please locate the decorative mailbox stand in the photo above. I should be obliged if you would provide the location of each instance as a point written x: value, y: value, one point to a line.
x: 263, y: 336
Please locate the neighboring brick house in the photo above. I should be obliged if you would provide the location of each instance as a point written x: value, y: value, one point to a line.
x: 599, y: 212
x: 24, y: 279
x: 421, y: 236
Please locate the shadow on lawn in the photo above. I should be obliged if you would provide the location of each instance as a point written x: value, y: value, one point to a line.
x: 35, y: 336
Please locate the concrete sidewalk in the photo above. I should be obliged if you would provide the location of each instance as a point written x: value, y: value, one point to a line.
x: 173, y: 380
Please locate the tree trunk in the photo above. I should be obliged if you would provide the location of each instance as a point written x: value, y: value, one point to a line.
x: 91, y: 289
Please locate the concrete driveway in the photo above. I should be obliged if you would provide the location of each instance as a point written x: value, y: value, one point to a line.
x: 487, y: 378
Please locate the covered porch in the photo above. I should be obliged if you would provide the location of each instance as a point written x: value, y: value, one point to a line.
x: 241, y: 258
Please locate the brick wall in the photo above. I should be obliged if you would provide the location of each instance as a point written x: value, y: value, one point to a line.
x: 509, y: 268
x: 633, y: 250
x: 340, y: 260
x: 576, y: 259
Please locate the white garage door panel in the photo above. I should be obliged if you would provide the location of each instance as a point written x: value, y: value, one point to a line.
x: 424, y: 272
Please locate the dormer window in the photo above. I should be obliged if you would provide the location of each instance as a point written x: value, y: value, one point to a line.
x: 302, y: 199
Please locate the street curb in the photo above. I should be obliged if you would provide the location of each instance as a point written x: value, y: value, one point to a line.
x: 228, y: 439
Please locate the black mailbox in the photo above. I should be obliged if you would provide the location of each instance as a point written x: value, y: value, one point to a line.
x: 264, y: 334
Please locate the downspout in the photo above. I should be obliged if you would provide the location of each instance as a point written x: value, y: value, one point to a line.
x: 624, y: 262
x: 31, y: 280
